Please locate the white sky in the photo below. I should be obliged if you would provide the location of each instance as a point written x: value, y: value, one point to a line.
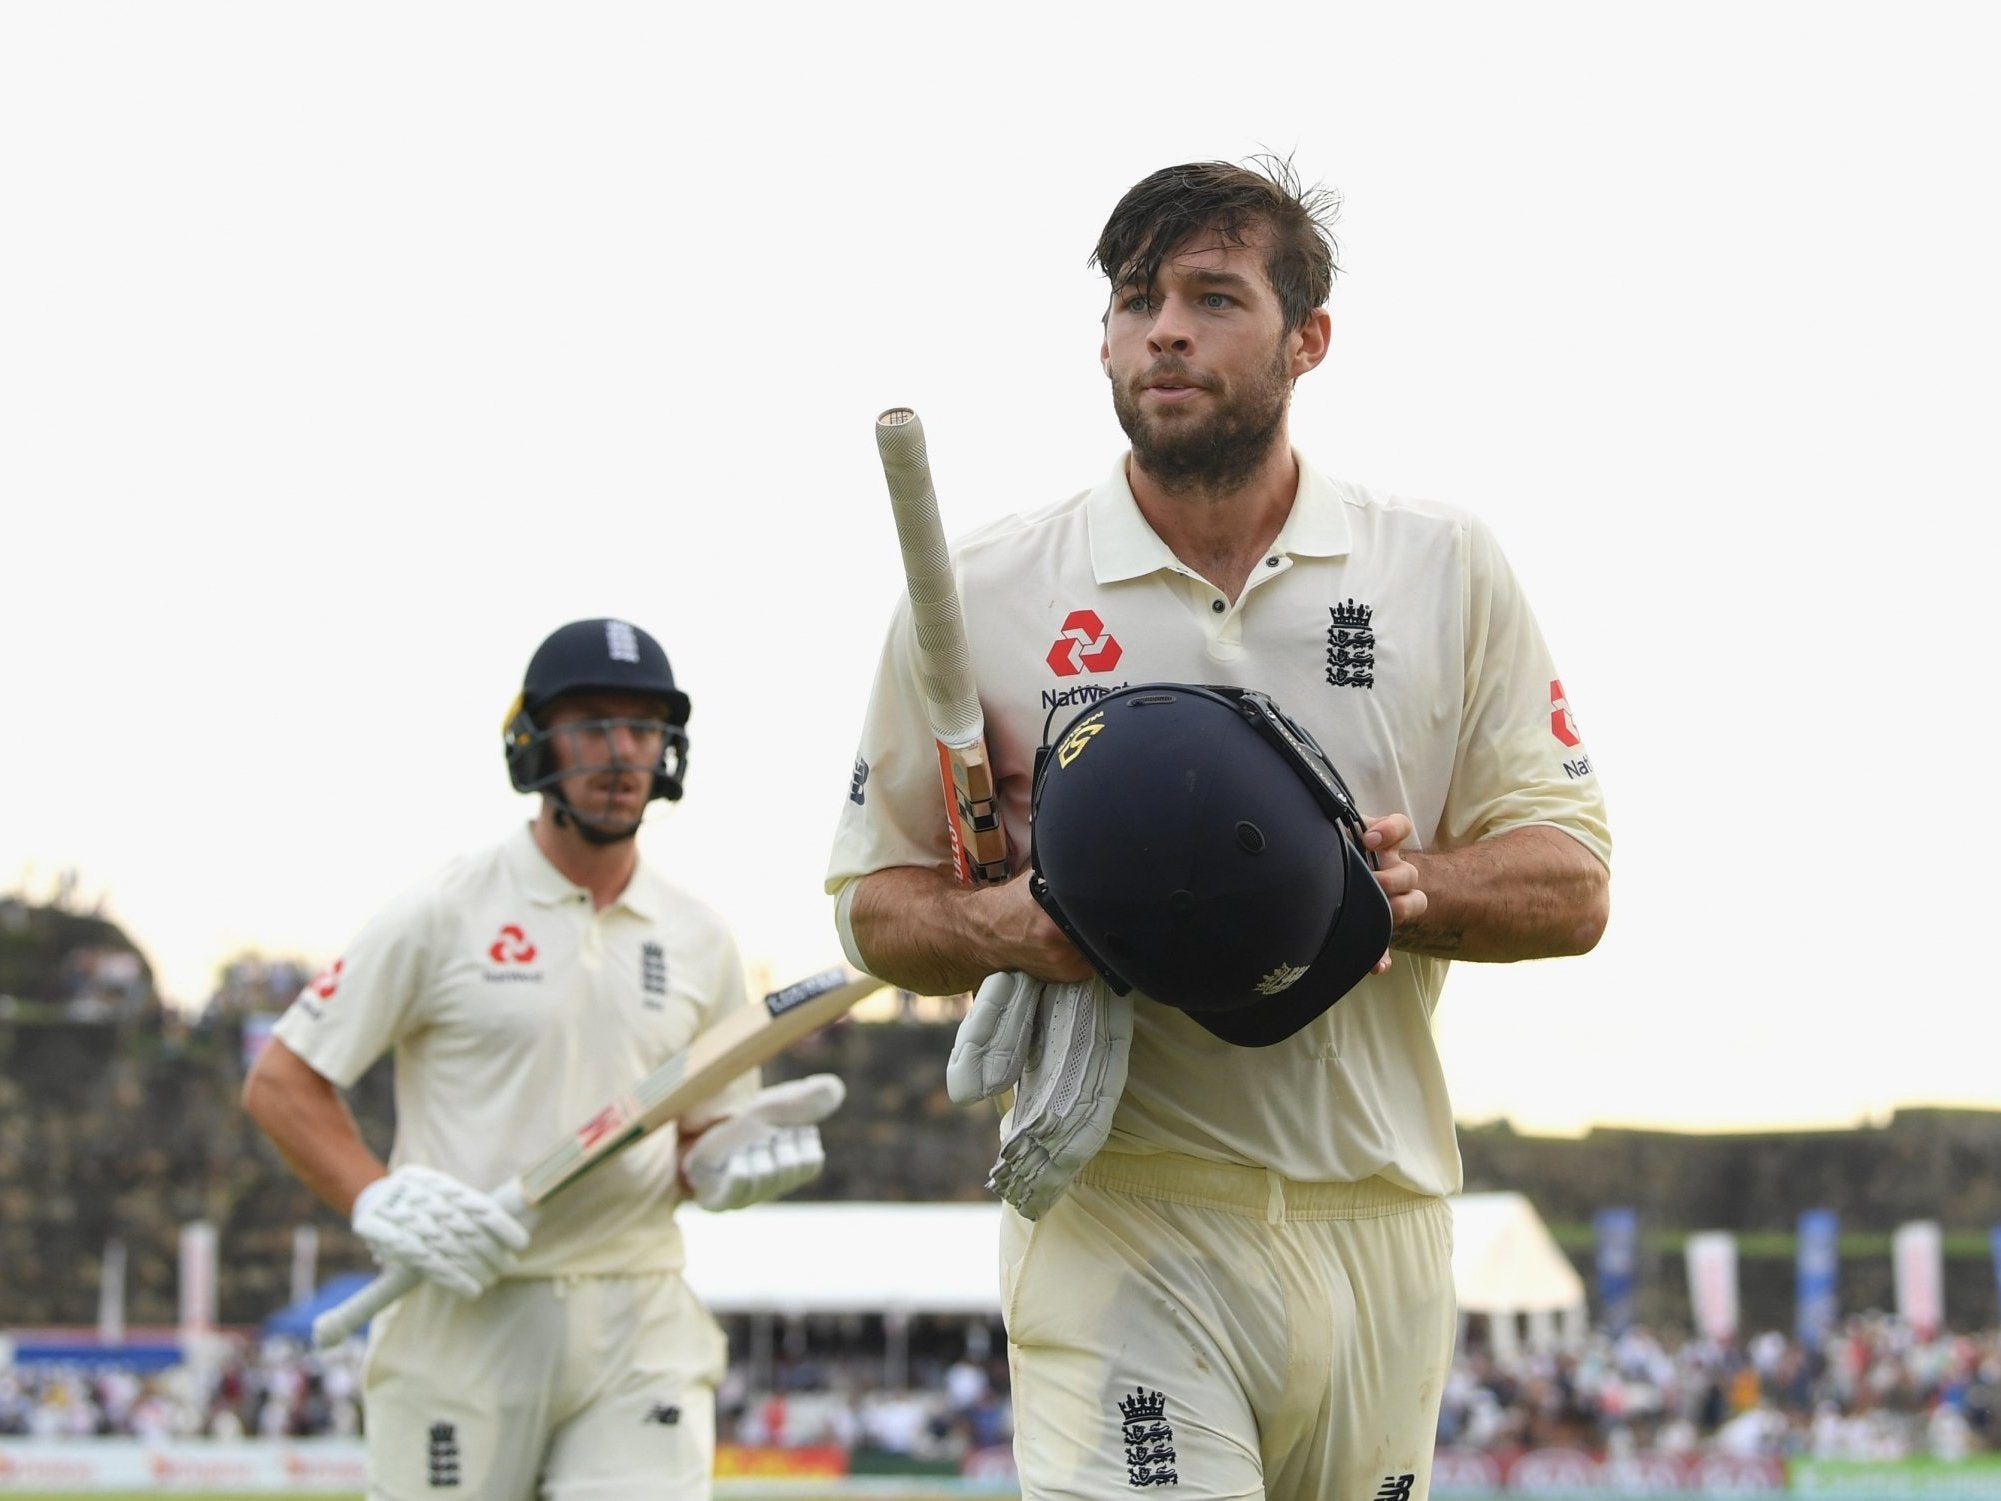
x: 346, y: 350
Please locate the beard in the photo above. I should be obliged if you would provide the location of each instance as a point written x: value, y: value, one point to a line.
x: 1220, y: 452
x: 590, y: 802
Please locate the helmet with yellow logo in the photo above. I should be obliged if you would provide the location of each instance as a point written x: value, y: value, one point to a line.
x: 1199, y: 847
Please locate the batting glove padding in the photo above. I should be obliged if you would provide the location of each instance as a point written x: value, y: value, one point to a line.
x: 768, y: 1148
x: 991, y: 1043
x: 446, y: 1230
x: 1073, y: 1072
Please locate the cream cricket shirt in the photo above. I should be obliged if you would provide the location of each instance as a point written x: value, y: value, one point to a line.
x: 1395, y: 632
x: 516, y: 1011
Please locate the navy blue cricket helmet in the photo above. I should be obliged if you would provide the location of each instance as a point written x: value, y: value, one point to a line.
x: 1198, y: 846
x: 607, y: 656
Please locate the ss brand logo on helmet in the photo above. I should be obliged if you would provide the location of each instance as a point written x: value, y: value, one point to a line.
x: 1074, y: 743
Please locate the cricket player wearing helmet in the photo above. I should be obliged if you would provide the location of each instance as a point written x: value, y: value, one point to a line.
x: 520, y: 988
x: 1301, y: 745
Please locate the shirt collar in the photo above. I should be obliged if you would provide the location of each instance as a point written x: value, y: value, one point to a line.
x: 547, y: 886
x: 1124, y: 546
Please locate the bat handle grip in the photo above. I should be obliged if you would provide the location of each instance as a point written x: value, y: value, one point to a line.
x: 338, y: 1322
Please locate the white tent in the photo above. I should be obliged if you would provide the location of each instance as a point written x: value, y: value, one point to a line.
x: 1506, y: 1265
x: 903, y: 1259
x: 895, y: 1260
x: 846, y: 1258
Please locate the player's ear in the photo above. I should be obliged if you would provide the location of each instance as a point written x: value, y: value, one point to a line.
x: 1105, y: 357
x: 1310, y: 341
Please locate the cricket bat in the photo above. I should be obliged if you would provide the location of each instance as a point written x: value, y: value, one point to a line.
x: 734, y: 1046
x: 945, y: 669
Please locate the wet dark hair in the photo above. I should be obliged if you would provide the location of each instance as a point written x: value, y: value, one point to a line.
x: 1160, y: 212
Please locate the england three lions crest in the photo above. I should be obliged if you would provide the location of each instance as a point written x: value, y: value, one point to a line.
x: 1148, y: 1439
x: 1351, y: 645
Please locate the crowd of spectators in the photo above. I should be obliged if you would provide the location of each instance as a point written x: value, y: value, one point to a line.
x: 1876, y: 1390
x: 948, y: 1412
x: 270, y: 1389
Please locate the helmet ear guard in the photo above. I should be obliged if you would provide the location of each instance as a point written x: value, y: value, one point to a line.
x: 523, y: 740
x: 673, y: 768
x: 1196, y: 844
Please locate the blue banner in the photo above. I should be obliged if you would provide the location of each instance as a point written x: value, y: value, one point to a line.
x: 1818, y: 1269
x: 1618, y: 1236
x: 1994, y: 1238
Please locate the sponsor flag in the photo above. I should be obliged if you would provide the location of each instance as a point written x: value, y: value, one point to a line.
x: 198, y: 1261
x: 1617, y: 1231
x: 1917, y: 1252
x: 1817, y: 1268
x: 1994, y: 1241
x: 111, y: 1294
x: 305, y: 1261
x: 1712, y: 1283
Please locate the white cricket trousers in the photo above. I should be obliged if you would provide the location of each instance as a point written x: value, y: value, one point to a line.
x: 566, y: 1389
x: 1218, y: 1331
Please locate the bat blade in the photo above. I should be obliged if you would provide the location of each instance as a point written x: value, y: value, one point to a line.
x: 945, y: 669
x: 739, y: 1043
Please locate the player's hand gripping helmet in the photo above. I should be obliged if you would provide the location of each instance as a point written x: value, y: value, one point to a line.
x: 1198, y: 846
x: 605, y: 656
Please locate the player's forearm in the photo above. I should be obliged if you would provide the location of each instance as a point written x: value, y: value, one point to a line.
x: 922, y: 932
x: 1532, y: 893
x: 308, y: 1122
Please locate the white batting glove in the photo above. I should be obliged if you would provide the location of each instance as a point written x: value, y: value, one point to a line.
x: 992, y: 1041
x: 1072, y: 1074
x: 768, y: 1148
x: 449, y: 1231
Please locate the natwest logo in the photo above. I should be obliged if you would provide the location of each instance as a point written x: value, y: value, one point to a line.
x: 1084, y: 646
x: 511, y: 947
x: 1561, y: 724
x: 327, y: 981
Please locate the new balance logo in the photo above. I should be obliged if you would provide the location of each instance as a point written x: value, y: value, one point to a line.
x: 444, y: 1455
x: 664, y: 1415
x: 1395, y: 1488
